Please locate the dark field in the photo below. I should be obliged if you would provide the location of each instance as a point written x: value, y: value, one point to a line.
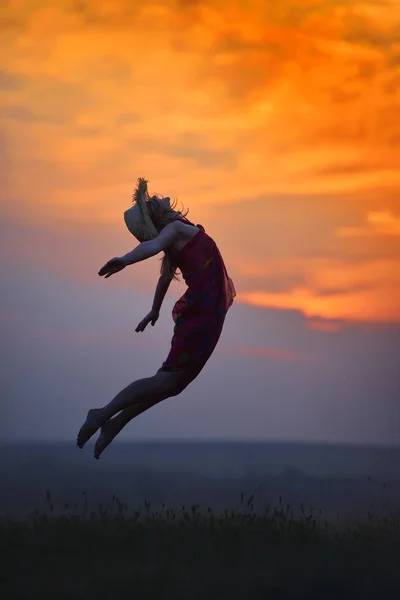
x: 143, y: 554
x: 85, y: 542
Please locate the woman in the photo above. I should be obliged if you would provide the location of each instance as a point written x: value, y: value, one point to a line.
x: 198, y: 315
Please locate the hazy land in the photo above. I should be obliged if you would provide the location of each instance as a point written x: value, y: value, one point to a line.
x: 179, y: 520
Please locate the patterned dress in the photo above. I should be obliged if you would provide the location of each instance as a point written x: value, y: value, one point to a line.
x: 199, y: 314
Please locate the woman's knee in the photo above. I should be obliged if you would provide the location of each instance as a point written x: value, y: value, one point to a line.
x: 185, y: 378
x: 173, y: 383
x: 179, y: 385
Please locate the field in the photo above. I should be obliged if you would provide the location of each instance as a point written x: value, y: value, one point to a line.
x: 119, y: 552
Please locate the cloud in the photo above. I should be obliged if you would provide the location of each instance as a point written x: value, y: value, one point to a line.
x: 275, y: 123
x: 350, y: 169
x: 193, y: 147
x: 116, y: 15
x: 373, y: 24
x: 394, y: 140
x: 9, y: 81
x: 372, y: 305
x: 275, y: 276
x: 128, y: 118
x: 378, y: 223
x: 21, y: 113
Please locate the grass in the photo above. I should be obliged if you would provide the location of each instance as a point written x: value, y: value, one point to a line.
x: 117, y: 552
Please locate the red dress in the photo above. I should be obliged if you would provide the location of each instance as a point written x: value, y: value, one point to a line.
x: 199, y: 314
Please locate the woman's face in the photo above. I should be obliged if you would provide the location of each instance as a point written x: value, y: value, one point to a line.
x: 166, y: 202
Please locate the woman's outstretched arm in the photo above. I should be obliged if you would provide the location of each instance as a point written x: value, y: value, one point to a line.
x: 144, y: 250
x: 147, y: 249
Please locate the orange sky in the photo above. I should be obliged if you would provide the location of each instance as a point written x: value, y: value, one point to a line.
x: 276, y: 123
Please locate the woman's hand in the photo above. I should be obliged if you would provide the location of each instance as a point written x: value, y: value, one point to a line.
x: 152, y: 317
x: 142, y: 185
x: 112, y: 266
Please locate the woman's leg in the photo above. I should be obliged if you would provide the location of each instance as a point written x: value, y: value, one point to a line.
x: 111, y: 428
x: 138, y: 396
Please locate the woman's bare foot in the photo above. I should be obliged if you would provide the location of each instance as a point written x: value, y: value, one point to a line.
x: 94, y: 420
x: 108, y: 432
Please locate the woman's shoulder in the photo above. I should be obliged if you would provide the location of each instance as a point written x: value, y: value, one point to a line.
x: 188, y: 230
x: 186, y: 221
x: 185, y: 233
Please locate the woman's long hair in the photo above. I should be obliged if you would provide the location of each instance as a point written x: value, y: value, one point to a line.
x: 161, y: 216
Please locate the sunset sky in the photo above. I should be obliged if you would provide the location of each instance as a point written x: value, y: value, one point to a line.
x: 278, y: 125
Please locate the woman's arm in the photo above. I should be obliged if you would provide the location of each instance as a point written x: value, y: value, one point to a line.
x: 159, y: 295
x: 147, y: 249
x: 144, y: 250
x: 152, y: 317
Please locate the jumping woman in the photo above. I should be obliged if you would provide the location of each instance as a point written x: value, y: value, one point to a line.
x: 198, y: 315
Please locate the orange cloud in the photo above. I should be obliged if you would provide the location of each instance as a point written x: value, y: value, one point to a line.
x: 369, y: 306
x: 276, y: 119
x: 378, y: 223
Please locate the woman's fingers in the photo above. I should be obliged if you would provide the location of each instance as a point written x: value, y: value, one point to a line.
x: 148, y: 319
x: 112, y: 266
x: 142, y: 325
x: 106, y: 270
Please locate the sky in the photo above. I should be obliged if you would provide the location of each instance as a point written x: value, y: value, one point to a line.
x: 276, y: 124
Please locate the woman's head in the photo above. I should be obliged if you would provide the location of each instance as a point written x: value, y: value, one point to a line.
x: 162, y: 211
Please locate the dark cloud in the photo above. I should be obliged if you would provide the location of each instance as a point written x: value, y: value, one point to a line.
x: 10, y: 81
x: 394, y: 140
x: 10, y: 24
x: 358, y: 30
x: 232, y: 42
x: 349, y: 169
x: 322, y: 133
x: 252, y: 68
x: 86, y: 10
x: 120, y: 14
x: 188, y: 4
x: 294, y: 234
x: 57, y: 101
x: 296, y: 15
x: 365, y: 70
x: 340, y: 96
x: 394, y: 57
x: 192, y: 146
x: 275, y: 283
x: 393, y: 84
x: 200, y: 149
x: 109, y: 68
x: 5, y: 163
x: 287, y: 280
x: 89, y: 131
x: 22, y: 113
x: 341, y: 291
x: 126, y: 118
x: 362, y: 250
